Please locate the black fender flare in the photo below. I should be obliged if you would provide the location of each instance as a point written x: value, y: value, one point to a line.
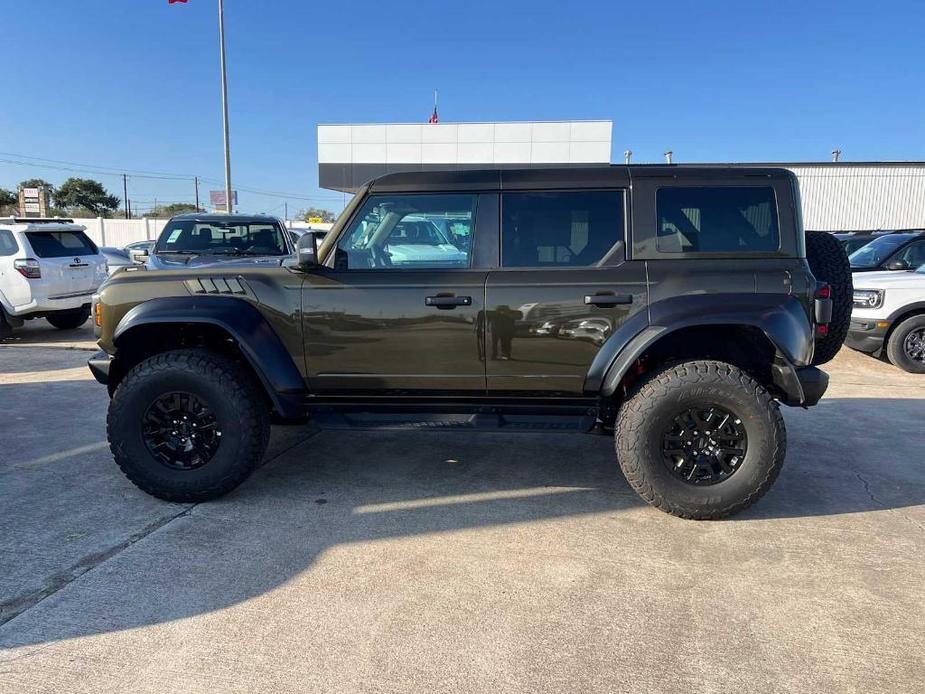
x: 914, y: 307
x: 255, y: 337
x: 781, y: 317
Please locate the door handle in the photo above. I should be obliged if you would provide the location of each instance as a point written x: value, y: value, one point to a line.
x: 447, y: 302
x: 608, y: 299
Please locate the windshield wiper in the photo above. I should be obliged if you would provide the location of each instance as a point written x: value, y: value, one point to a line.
x: 239, y: 251
x: 157, y: 252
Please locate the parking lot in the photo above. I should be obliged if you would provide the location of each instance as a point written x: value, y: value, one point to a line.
x: 374, y: 560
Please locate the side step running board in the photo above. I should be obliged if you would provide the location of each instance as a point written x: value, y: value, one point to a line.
x: 468, y: 422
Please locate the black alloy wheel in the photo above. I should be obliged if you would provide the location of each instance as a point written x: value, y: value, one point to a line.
x: 704, y: 445
x: 180, y: 430
x: 914, y: 345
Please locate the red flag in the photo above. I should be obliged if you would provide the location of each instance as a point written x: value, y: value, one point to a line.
x: 433, y: 116
x: 171, y: 2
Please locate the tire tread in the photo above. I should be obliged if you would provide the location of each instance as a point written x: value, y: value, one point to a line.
x: 636, y: 412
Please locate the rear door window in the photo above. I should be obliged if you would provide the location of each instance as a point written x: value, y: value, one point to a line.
x: 60, y: 244
x: 719, y: 219
x: 560, y: 229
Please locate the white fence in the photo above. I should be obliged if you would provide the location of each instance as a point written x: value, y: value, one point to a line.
x: 121, y: 232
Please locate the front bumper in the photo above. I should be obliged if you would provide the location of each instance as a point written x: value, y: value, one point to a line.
x: 866, y: 335
x: 100, y: 364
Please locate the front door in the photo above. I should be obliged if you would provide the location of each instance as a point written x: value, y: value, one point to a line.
x: 401, y: 307
x: 562, y: 290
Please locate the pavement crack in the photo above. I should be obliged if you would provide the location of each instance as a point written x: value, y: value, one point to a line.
x: 873, y: 497
x: 16, y: 606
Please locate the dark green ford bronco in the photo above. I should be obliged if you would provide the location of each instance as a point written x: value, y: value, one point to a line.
x: 675, y: 307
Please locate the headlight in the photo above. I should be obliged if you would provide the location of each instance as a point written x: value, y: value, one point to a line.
x: 868, y: 298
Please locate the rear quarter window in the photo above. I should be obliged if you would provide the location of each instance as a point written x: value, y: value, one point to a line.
x: 8, y: 245
x: 717, y: 219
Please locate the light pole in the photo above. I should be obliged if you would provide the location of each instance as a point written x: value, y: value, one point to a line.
x: 221, y: 39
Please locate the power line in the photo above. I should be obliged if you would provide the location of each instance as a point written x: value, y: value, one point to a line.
x: 75, y: 167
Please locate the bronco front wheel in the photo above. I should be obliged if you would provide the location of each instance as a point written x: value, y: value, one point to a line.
x: 700, y: 440
x: 188, y: 425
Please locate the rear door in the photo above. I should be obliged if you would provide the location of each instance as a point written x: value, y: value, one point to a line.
x: 401, y: 307
x: 563, y: 288
x: 68, y: 261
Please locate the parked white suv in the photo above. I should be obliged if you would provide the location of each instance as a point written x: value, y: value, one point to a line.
x: 49, y: 269
x: 889, y: 315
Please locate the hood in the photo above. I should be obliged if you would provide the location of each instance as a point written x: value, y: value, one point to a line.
x: 176, y: 262
x: 889, y: 278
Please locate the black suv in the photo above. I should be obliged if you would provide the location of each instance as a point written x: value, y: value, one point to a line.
x: 672, y: 306
x: 194, y: 239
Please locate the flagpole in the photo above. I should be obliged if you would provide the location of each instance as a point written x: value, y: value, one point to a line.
x: 221, y: 39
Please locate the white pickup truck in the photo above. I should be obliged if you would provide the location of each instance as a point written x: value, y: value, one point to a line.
x: 889, y: 316
x: 49, y: 269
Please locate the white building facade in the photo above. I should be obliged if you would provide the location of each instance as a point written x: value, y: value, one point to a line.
x: 837, y: 196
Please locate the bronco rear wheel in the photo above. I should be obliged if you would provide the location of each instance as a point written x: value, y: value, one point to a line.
x: 829, y: 264
x: 700, y: 440
x: 188, y: 425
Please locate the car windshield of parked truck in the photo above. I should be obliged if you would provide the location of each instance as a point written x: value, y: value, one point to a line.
x: 189, y: 237
x: 60, y: 244
x: 878, y: 250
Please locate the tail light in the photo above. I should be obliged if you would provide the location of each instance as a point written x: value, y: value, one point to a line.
x: 28, y: 268
x: 823, y: 308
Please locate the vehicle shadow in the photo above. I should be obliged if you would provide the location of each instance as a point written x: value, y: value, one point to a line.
x: 362, y: 487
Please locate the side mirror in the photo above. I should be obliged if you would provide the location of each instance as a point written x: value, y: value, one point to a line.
x: 307, y: 251
x: 138, y: 255
x: 898, y: 264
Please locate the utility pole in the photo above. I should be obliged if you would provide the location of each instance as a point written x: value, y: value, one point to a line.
x: 196, y: 182
x: 125, y: 194
x: 221, y: 40
x: 286, y: 213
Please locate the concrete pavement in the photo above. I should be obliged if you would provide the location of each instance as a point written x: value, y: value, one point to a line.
x: 456, y: 561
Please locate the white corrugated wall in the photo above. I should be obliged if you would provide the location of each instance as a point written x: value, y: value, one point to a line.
x: 862, y: 198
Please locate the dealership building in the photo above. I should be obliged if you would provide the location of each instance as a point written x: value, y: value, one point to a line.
x: 837, y: 196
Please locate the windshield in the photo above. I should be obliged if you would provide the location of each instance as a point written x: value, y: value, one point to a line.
x: 219, y: 238
x: 878, y: 250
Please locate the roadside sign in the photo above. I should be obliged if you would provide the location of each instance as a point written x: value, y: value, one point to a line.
x: 218, y: 199
x: 33, y: 202
x: 315, y: 220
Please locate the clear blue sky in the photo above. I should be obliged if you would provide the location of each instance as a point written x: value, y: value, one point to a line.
x: 134, y: 83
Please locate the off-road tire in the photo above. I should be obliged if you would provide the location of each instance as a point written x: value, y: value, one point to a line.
x: 231, y: 392
x: 69, y: 320
x: 829, y: 263
x: 642, y: 420
x: 895, y: 347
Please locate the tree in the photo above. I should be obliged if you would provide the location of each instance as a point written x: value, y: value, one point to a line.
x: 87, y: 194
x: 172, y: 209
x: 8, y: 199
x: 313, y: 213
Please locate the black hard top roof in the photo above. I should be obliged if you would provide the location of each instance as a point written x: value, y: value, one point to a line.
x: 514, y: 178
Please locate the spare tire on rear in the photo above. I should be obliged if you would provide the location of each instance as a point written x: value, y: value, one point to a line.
x: 829, y: 264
